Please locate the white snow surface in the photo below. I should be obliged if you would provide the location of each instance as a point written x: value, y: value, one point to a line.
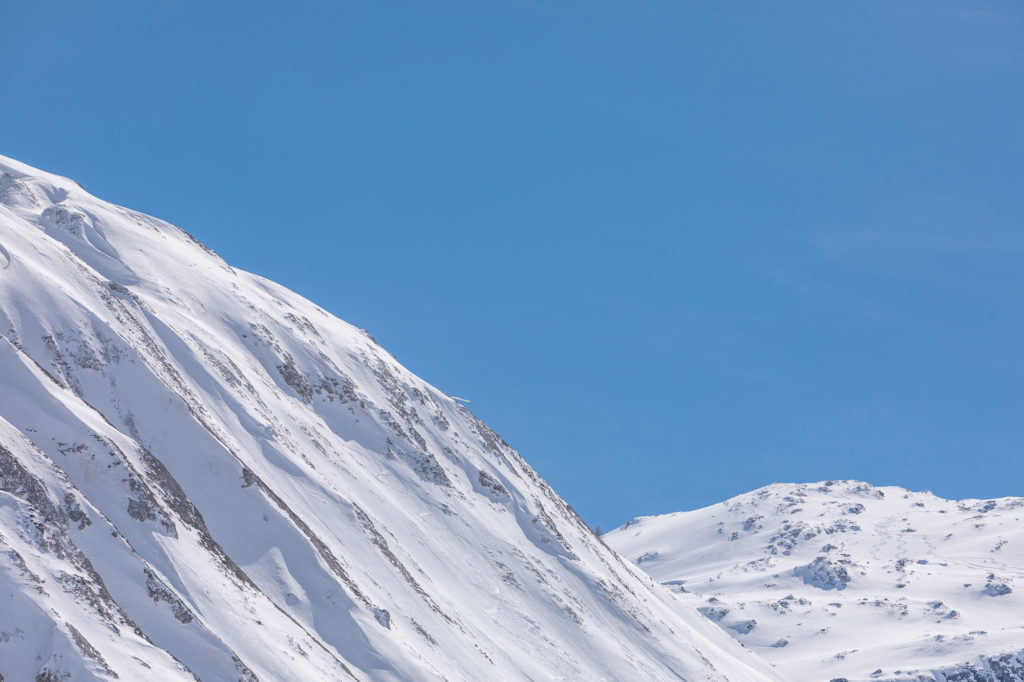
x: 205, y: 476
x: 841, y: 579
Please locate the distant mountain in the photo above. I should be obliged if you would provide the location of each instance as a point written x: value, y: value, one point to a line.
x: 843, y: 580
x: 205, y: 476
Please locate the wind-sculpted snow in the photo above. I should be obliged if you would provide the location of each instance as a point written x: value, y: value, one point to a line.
x: 203, y: 475
x: 843, y: 580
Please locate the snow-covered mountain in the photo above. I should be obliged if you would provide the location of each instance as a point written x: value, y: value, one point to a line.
x: 204, y: 475
x: 841, y: 579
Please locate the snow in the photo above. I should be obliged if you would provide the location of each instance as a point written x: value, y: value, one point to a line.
x: 842, y: 579
x: 203, y: 474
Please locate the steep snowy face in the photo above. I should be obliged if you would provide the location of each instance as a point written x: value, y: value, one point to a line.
x: 204, y: 475
x: 841, y: 579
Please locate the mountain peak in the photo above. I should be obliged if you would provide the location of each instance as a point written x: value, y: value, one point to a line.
x: 203, y: 474
x: 842, y: 579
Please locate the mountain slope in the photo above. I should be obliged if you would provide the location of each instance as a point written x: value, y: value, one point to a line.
x: 841, y: 579
x: 204, y: 475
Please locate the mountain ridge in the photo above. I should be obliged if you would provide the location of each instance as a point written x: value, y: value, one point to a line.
x: 204, y: 475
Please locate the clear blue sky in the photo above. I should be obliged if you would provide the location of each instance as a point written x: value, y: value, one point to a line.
x: 672, y: 251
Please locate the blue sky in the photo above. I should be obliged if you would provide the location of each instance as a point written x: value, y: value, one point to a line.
x: 672, y: 251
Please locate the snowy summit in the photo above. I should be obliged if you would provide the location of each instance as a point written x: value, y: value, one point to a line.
x: 844, y: 580
x: 205, y: 476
